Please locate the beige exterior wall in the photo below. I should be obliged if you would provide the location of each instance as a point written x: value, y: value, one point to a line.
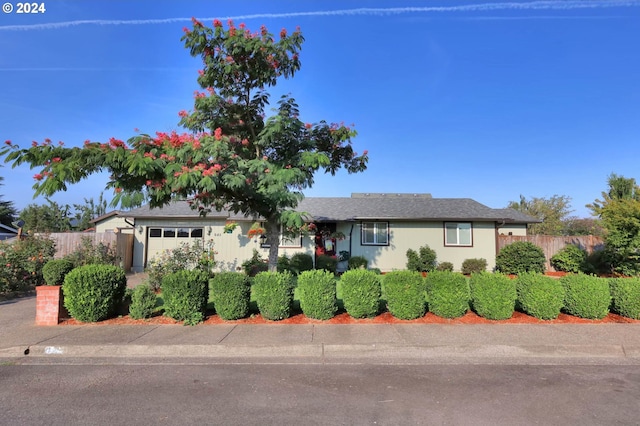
x: 113, y: 222
x: 413, y: 235
x: 519, y: 230
x: 233, y: 249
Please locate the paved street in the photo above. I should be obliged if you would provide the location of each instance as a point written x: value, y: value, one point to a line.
x: 319, y: 394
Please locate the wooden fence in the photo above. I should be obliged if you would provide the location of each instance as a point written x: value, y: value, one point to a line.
x: 68, y: 242
x: 550, y: 245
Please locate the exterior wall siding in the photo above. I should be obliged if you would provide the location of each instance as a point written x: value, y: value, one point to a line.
x: 519, y: 230
x: 413, y: 235
x: 233, y: 249
x: 111, y: 223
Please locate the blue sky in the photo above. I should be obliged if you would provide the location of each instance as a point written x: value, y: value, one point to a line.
x: 474, y: 99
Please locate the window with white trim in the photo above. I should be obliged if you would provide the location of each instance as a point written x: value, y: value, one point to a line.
x: 374, y: 234
x: 458, y: 234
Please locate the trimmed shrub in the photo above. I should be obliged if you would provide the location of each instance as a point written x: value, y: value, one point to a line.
x: 493, y: 296
x: 94, y: 292
x: 586, y: 296
x: 230, y: 293
x: 358, y: 262
x: 143, y: 302
x: 328, y: 263
x: 570, y: 258
x: 284, y: 263
x: 55, y: 270
x: 473, y: 266
x: 597, y: 262
x: 405, y: 293
x: 625, y: 293
x: 301, y: 262
x: 185, y: 295
x: 448, y: 294
x: 273, y: 292
x: 255, y: 265
x: 521, y: 256
x: 423, y: 261
x: 539, y: 296
x: 361, y: 293
x: 445, y: 266
x: 317, y: 293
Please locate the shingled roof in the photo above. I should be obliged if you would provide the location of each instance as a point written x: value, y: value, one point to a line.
x: 409, y: 207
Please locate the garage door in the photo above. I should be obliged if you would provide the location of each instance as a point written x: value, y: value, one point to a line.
x: 169, y: 238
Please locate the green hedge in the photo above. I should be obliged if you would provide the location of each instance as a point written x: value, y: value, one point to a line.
x: 358, y: 262
x: 143, y: 302
x: 540, y: 296
x: 570, y: 258
x: 55, y: 270
x: 422, y: 261
x: 521, y: 256
x: 185, y: 295
x: 405, y: 293
x: 317, y: 293
x: 445, y: 266
x: 448, y: 294
x: 473, y: 266
x: 328, y: 263
x: 301, y: 262
x: 273, y: 292
x: 361, y: 292
x: 230, y: 293
x: 493, y: 296
x: 625, y: 293
x: 586, y: 296
x: 94, y: 292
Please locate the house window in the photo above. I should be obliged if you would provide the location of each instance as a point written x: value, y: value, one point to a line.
x: 375, y: 233
x: 458, y: 234
x: 173, y: 232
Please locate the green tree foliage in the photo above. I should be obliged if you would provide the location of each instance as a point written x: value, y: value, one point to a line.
x: 620, y: 188
x: 7, y: 210
x: 85, y: 213
x: 231, y: 157
x: 619, y: 212
x: 583, y: 226
x: 551, y: 211
x: 51, y: 217
x: 621, y: 219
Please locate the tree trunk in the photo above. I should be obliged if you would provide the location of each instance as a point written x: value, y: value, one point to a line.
x: 273, y: 239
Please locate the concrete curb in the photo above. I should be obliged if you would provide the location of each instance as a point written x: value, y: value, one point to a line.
x: 329, y: 352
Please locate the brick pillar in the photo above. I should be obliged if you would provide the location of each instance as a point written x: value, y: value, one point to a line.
x: 48, y: 304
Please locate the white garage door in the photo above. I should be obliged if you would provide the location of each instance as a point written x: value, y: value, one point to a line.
x: 169, y: 238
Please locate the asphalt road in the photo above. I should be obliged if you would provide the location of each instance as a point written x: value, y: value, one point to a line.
x: 225, y: 394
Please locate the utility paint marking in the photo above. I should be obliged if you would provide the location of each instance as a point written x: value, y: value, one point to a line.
x: 53, y: 350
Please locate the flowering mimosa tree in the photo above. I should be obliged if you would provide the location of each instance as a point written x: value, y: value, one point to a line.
x: 231, y: 156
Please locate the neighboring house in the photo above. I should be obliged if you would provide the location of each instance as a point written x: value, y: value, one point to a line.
x: 7, y: 232
x: 380, y: 227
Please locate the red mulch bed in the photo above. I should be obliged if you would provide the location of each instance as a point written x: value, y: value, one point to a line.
x: 384, y: 318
